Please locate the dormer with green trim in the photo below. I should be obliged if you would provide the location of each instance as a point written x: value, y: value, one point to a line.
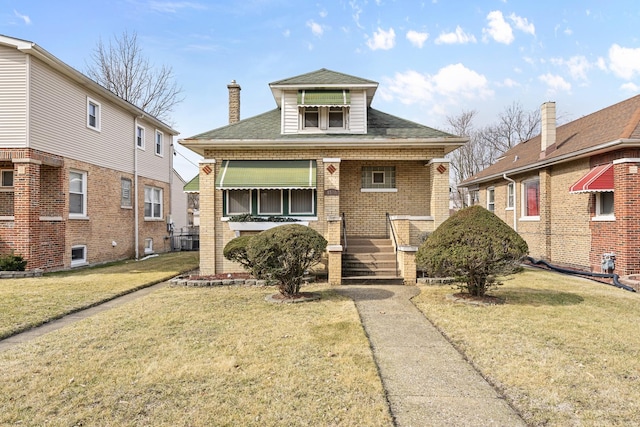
x: 324, y: 102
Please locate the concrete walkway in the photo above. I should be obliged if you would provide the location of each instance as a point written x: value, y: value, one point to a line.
x: 74, y: 317
x: 428, y: 383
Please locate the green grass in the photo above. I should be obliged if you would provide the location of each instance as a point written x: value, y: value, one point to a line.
x: 185, y: 356
x: 564, y: 351
x: 29, y: 302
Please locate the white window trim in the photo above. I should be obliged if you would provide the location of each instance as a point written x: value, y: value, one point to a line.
x: 491, y: 190
x: 144, y: 133
x: 80, y: 262
x: 523, y: 200
x: 83, y: 214
x: 599, y: 216
x: 511, y: 199
x: 148, y: 246
x: 313, y: 204
x: 156, y: 145
x: 229, y: 213
x: 271, y: 213
x: 161, y: 196
x: 323, y: 120
x: 378, y: 190
x: 98, y: 106
x: 6, y: 187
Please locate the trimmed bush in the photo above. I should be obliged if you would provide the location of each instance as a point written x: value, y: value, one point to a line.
x: 284, y: 253
x: 236, y: 250
x: 475, y: 247
x: 12, y: 262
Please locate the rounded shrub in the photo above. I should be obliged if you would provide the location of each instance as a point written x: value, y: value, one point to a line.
x: 236, y: 250
x: 474, y: 246
x: 284, y: 253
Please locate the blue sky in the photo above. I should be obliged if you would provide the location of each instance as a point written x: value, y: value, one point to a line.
x: 432, y: 58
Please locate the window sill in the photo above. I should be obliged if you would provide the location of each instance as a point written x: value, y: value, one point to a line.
x: 7, y: 218
x: 260, y: 225
x: 93, y: 129
x: 529, y: 218
x: 508, y: 209
x: 7, y: 190
x: 79, y: 264
x: 146, y: 218
x: 80, y: 217
x: 126, y: 207
x: 603, y: 218
x: 378, y: 190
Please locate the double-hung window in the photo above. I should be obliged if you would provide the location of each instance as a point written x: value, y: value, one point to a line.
x: 77, y: 194
x: 152, y: 203
x: 140, y: 137
x: 324, y: 110
x: 604, y: 205
x: 159, y: 143
x: 531, y: 196
x: 491, y: 199
x: 511, y: 191
x: 6, y: 178
x: 93, y: 114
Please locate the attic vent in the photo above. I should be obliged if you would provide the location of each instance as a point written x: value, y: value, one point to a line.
x: 324, y: 98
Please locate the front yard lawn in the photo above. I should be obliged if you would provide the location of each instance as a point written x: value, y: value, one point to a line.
x: 29, y: 302
x: 185, y: 356
x: 564, y: 351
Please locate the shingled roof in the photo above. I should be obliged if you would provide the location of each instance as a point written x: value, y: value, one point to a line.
x: 323, y: 77
x: 602, y: 131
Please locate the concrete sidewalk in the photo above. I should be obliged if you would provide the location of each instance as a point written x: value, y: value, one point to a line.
x: 74, y: 317
x: 427, y: 381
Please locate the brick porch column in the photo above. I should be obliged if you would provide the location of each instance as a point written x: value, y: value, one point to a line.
x: 26, y: 210
x: 207, y: 217
x: 439, y: 191
x: 405, y: 253
x: 333, y: 218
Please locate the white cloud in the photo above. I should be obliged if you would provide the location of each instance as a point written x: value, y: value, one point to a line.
x: 316, y: 28
x: 555, y: 83
x: 357, y: 10
x: 417, y: 39
x: 382, y: 39
x: 630, y: 87
x: 499, y: 30
x: 578, y: 67
x: 173, y: 7
x: 523, y: 24
x: 323, y: 13
x: 451, y: 83
x: 286, y: 33
x: 601, y: 63
x: 456, y: 37
x: 509, y: 83
x: 25, y: 18
x: 624, y: 61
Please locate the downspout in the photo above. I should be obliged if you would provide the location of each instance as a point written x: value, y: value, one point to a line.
x: 136, y: 215
x: 515, y: 203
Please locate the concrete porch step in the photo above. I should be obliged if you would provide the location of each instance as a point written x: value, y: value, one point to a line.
x: 372, y: 280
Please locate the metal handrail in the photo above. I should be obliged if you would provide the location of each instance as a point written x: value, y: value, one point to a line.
x: 344, y: 232
x: 395, y: 241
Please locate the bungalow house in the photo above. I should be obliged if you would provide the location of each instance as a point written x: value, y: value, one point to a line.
x: 368, y: 181
x: 85, y: 175
x: 573, y: 192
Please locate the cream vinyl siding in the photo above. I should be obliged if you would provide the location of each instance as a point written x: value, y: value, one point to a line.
x: 290, y: 112
x: 13, y: 102
x: 151, y: 165
x: 358, y: 112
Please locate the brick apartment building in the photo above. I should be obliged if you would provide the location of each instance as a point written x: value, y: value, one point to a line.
x: 326, y: 158
x: 573, y: 192
x: 85, y: 175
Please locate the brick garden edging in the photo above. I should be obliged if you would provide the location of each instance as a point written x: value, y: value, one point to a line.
x: 20, y: 274
x: 181, y: 281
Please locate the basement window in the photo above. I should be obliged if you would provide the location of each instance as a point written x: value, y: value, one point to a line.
x: 78, y: 255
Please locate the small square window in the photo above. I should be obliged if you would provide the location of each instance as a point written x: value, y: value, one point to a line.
x: 377, y: 177
x: 604, y: 203
x: 78, y: 255
x: 140, y: 137
x: 148, y: 246
x: 93, y: 114
x: 7, y: 178
x: 159, y: 142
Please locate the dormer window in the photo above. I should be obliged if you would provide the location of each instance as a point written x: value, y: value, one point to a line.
x: 324, y: 110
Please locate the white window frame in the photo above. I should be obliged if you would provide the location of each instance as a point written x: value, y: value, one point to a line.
x: 229, y: 212
x: 524, y: 204
x: 154, y: 215
x: 323, y: 119
x: 270, y: 213
x: 313, y: 203
x: 600, y: 216
x: 98, y: 114
x: 2, y: 181
x: 389, y: 185
x: 126, y: 201
x: 159, y: 143
x: 511, y: 195
x: 83, y: 260
x: 491, y: 194
x: 148, y: 246
x: 140, y: 136
x: 83, y: 192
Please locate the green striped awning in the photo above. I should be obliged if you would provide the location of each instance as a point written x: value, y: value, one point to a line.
x: 192, y: 186
x: 324, y: 98
x: 245, y: 174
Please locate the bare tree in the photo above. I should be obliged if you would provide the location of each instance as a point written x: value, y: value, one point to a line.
x: 513, y: 127
x: 122, y: 68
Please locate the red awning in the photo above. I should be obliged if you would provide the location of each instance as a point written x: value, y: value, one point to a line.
x: 599, y: 178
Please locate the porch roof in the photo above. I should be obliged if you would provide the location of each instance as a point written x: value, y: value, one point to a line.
x: 267, y: 174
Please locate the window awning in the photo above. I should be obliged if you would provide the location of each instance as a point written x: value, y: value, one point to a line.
x: 192, y: 186
x: 324, y: 98
x: 267, y: 174
x: 599, y: 178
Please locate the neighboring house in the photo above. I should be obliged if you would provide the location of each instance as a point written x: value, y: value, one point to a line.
x: 192, y: 189
x: 178, y: 203
x: 326, y: 158
x: 573, y: 192
x: 85, y: 175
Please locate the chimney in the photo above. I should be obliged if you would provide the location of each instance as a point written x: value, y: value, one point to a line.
x: 234, y: 102
x: 548, y: 125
